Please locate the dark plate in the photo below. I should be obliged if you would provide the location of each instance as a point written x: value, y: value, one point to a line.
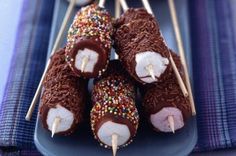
x: 147, y: 141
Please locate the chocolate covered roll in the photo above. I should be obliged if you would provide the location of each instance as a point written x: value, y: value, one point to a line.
x: 114, y: 111
x: 63, y: 98
x: 140, y: 46
x: 165, y: 105
x: 89, y: 41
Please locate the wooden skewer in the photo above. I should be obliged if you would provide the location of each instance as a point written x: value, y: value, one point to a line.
x: 181, y: 51
x: 180, y: 80
x: 147, y: 6
x: 84, y: 63
x: 114, y: 141
x: 117, y: 9
x: 114, y: 137
x: 55, y: 47
x: 101, y: 3
x: 117, y: 15
x: 150, y: 70
x: 124, y: 5
x: 55, y: 125
x: 171, y: 123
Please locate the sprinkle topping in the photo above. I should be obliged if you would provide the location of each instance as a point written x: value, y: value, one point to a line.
x: 91, y: 22
x: 114, y: 96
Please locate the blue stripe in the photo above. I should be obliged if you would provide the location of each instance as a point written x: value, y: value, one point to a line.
x: 214, y: 67
x: 219, y: 90
x: 26, y: 69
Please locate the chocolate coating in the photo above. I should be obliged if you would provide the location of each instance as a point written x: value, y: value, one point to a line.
x: 133, y: 14
x: 135, y: 32
x: 91, y: 29
x: 62, y: 87
x: 167, y: 94
x: 113, y: 97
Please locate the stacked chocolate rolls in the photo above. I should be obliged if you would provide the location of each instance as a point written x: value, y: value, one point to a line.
x: 114, y: 110
x: 165, y: 105
x: 89, y: 41
x: 140, y: 46
x: 63, y: 98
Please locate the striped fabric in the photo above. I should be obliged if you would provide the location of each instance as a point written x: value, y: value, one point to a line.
x: 213, y: 33
x: 26, y: 69
x: 213, y: 36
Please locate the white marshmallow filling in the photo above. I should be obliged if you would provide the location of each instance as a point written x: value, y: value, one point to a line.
x: 66, y: 118
x: 160, y: 119
x: 147, y: 59
x: 88, y: 55
x: 108, y: 128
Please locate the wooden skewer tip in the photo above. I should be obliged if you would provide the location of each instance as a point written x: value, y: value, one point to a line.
x: 84, y: 63
x: 171, y: 123
x: 55, y: 125
x: 150, y: 70
x: 27, y: 117
x: 114, y: 141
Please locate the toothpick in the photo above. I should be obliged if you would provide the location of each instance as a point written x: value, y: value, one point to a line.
x: 55, y: 47
x: 114, y: 141
x: 180, y: 80
x: 181, y: 51
x: 84, y: 63
x: 171, y: 123
x: 150, y: 70
x: 55, y: 125
x: 101, y: 3
x: 124, y: 5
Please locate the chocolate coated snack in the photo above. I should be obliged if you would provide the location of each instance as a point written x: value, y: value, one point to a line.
x: 114, y: 110
x: 89, y: 41
x: 63, y: 96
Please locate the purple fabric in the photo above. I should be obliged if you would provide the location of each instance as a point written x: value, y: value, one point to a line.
x: 8, y: 31
x: 27, y: 65
x: 214, y: 72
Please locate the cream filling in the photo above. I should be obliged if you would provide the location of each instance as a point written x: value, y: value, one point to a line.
x: 108, y: 128
x: 144, y: 59
x: 66, y: 118
x: 92, y: 59
x: 160, y: 119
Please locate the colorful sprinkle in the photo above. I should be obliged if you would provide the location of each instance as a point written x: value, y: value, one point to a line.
x: 114, y: 95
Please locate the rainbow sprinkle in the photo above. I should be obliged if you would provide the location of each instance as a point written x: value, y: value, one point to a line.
x: 114, y: 95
